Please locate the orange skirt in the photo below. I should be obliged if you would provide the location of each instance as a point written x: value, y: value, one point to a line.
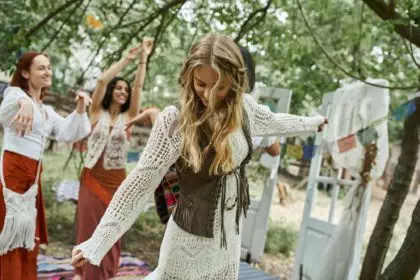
x: 97, y: 186
x: 19, y: 175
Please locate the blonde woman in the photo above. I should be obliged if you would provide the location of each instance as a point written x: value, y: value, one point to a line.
x: 209, y: 139
x: 114, y: 102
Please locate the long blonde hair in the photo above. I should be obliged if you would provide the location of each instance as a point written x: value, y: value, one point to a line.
x: 213, y: 123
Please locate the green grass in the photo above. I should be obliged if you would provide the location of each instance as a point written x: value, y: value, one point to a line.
x: 281, y: 239
x: 142, y: 239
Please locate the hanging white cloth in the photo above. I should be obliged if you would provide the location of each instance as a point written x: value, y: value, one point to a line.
x: 355, y: 106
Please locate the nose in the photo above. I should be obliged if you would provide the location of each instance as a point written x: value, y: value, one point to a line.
x: 207, y: 93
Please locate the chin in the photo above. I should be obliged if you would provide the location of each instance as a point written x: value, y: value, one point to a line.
x: 46, y: 84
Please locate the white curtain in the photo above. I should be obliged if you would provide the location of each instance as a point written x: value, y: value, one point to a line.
x: 355, y: 106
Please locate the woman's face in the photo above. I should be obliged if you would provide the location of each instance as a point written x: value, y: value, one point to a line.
x: 40, y: 72
x: 205, y: 78
x: 120, y: 93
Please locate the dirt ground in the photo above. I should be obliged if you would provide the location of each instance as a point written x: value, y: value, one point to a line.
x: 292, y: 212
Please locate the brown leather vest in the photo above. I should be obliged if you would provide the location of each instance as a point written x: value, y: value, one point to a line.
x: 200, y: 193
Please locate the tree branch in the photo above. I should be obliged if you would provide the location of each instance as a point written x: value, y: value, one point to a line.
x: 161, y: 30
x: 382, y: 10
x: 245, y: 28
x: 49, y: 17
x: 55, y: 35
x: 148, y: 20
x: 158, y: 36
x: 80, y: 79
x: 339, y: 66
x: 155, y: 14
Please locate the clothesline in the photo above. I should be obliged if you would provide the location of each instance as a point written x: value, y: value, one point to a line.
x: 365, y: 135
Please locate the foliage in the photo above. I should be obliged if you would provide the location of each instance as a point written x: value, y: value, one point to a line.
x: 286, y: 55
x: 281, y: 238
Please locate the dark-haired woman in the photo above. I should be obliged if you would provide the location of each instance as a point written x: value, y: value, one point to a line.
x: 27, y: 122
x: 270, y: 144
x: 114, y: 103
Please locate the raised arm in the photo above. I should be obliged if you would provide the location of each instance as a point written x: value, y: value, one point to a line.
x: 161, y: 151
x: 135, y: 104
x: 263, y: 122
x: 16, y: 110
x: 99, y: 92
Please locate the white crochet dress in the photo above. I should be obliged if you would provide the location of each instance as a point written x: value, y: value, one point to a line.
x: 184, y: 255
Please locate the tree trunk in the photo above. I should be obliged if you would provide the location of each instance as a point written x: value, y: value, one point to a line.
x: 408, y: 31
x: 407, y: 262
x: 415, y: 182
x: 397, y: 192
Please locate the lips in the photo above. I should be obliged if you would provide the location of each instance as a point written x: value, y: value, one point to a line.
x: 121, y: 99
x: 47, y: 80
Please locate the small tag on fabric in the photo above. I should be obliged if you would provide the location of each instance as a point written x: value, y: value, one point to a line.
x: 367, y: 136
x: 347, y: 143
x: 295, y: 151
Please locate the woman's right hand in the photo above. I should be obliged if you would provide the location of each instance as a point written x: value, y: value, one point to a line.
x: 77, y: 258
x: 22, y: 122
x: 133, y: 52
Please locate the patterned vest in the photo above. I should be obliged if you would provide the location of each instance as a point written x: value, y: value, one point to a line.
x: 112, y: 143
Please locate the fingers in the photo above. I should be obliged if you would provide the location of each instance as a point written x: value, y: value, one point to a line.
x: 77, y: 258
x: 83, y: 97
x: 16, y: 117
x: 22, y: 122
x: 128, y: 125
x: 28, y: 127
x: 134, y: 50
x: 87, y: 100
x: 137, y: 119
x: 320, y: 127
x: 148, y: 40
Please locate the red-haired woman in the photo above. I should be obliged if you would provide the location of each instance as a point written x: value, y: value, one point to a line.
x: 27, y: 122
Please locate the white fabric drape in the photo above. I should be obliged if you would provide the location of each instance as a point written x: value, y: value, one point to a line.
x: 355, y: 106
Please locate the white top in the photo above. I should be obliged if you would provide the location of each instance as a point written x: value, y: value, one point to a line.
x: 263, y: 142
x: 184, y: 255
x: 70, y: 129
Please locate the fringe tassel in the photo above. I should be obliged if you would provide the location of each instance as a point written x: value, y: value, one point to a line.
x: 20, y: 221
x: 223, y: 242
x: 185, y: 212
x: 239, y: 206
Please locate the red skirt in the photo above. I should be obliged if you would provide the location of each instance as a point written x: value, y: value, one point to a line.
x: 19, y: 175
x: 97, y: 186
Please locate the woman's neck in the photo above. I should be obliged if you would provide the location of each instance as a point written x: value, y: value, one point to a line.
x: 114, y: 110
x: 35, y: 93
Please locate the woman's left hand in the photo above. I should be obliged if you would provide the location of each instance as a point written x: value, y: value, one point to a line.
x: 82, y: 96
x: 147, y: 118
x: 321, y: 126
x: 147, y: 45
x: 77, y: 259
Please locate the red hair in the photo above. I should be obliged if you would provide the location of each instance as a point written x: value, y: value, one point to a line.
x: 24, y: 64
